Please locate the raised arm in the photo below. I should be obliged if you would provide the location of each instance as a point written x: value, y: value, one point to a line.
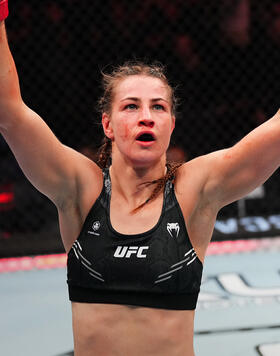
x: 54, y: 169
x: 234, y: 172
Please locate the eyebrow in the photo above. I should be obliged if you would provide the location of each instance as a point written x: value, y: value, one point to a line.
x: 137, y: 99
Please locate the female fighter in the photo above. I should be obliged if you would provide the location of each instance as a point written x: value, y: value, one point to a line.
x: 137, y: 231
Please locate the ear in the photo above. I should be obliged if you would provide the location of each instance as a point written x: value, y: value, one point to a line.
x: 173, y: 123
x: 107, y: 127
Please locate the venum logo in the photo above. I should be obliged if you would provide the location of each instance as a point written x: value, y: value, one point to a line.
x: 173, y: 229
x: 127, y: 251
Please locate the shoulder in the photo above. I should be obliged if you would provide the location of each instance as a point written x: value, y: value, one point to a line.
x: 87, y: 187
x: 193, y: 177
x: 200, y: 168
x: 75, y: 205
x: 194, y: 171
x: 198, y: 210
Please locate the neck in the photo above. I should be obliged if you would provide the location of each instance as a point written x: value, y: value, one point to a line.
x: 127, y: 180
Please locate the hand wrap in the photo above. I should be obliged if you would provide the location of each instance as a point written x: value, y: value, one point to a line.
x: 4, y: 11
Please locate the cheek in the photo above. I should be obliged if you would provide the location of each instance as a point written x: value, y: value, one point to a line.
x: 122, y: 131
x: 126, y: 131
x: 168, y: 128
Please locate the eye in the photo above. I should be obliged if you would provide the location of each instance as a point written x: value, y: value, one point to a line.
x: 158, y: 107
x: 131, y: 106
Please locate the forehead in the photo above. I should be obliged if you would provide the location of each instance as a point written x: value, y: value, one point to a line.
x: 142, y: 87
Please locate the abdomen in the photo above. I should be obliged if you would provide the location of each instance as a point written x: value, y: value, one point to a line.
x: 118, y: 330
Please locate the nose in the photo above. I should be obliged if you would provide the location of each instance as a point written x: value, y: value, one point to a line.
x: 146, y: 118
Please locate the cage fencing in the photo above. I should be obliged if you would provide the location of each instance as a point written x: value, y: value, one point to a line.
x: 222, y: 56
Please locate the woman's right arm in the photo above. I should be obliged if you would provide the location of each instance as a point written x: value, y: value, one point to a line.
x: 54, y: 169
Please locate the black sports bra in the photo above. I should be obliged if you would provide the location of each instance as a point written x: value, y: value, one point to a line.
x: 158, y: 268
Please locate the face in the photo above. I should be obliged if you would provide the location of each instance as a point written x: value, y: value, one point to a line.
x: 140, y: 123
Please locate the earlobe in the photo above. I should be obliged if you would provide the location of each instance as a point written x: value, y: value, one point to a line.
x: 107, y: 127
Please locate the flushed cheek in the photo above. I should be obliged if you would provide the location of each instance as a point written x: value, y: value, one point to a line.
x: 124, y: 131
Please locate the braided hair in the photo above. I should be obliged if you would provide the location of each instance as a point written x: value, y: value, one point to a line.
x: 104, y: 153
x: 160, y: 183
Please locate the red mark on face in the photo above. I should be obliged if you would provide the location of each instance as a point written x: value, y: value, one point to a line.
x: 126, y: 132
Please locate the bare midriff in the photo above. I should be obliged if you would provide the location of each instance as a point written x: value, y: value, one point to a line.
x: 119, y: 330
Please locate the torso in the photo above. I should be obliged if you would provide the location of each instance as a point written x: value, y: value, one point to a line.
x: 118, y: 330
x: 101, y: 329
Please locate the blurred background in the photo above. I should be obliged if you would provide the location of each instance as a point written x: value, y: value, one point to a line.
x: 223, y: 56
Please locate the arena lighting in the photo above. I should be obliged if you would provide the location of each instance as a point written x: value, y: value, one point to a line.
x: 6, y: 197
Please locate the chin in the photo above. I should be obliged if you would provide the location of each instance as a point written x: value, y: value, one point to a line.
x: 146, y: 160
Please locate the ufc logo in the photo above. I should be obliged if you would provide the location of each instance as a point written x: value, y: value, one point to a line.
x: 127, y: 251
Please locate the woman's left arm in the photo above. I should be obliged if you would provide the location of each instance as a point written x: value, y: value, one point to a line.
x: 234, y: 172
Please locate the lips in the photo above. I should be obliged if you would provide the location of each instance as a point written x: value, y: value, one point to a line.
x: 145, y: 137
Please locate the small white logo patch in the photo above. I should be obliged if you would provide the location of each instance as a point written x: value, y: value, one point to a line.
x: 173, y: 229
x: 95, y: 227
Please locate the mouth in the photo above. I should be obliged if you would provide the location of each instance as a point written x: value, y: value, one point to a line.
x: 145, y: 137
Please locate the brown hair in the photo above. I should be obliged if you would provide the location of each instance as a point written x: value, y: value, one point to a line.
x: 109, y: 80
x: 155, y: 70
